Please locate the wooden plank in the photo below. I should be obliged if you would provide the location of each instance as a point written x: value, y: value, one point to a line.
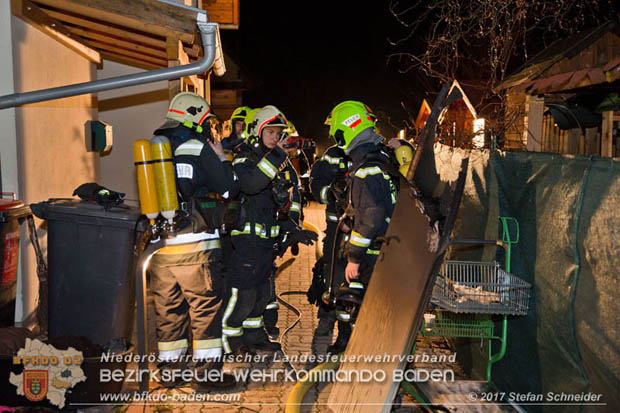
x: 392, y: 310
x: 207, y: 87
x: 193, y: 51
x: 574, y: 136
x: 225, y: 96
x: 106, y: 28
x: 534, y: 129
x: 176, y: 53
x: 543, y: 144
x: 149, y: 16
x: 126, y: 60
x: 172, y: 48
x: 236, y: 13
x: 224, y: 12
x: 607, y: 134
x: 174, y: 85
x: 194, y: 81
x: 112, y: 41
x: 388, y: 310
x: 34, y: 16
x: 123, y: 52
x: 183, y: 58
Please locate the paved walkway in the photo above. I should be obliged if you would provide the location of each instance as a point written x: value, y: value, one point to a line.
x: 264, y: 396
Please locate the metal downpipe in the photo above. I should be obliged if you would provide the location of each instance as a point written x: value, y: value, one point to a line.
x: 208, y: 34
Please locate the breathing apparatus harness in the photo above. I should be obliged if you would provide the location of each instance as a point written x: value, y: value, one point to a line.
x: 347, y: 299
x: 204, y: 211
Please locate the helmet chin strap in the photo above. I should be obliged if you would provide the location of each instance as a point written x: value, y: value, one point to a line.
x: 262, y: 144
x: 193, y: 126
x: 339, y: 138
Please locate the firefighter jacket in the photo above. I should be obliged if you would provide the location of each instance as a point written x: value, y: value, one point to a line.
x: 259, y: 171
x: 199, y: 171
x: 373, y: 193
x: 332, y: 165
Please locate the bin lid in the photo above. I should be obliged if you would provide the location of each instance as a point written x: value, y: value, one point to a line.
x: 70, y: 209
x: 7, y: 204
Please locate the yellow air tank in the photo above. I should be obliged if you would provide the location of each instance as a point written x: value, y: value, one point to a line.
x: 404, y: 169
x: 146, y: 178
x: 164, y: 177
x: 404, y: 156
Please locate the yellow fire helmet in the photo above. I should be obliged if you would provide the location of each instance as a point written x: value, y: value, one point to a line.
x: 240, y: 113
x: 348, y: 119
x: 291, y: 130
x: 247, y: 130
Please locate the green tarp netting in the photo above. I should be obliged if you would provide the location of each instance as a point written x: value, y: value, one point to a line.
x: 568, y: 209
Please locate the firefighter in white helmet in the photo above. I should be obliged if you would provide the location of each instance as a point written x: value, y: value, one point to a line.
x: 264, y: 192
x: 290, y: 219
x: 186, y: 279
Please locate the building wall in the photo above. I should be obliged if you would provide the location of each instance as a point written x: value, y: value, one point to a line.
x: 8, y: 138
x: 134, y: 113
x: 515, y: 120
x: 51, y: 146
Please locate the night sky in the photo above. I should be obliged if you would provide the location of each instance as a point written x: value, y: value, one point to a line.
x: 305, y: 57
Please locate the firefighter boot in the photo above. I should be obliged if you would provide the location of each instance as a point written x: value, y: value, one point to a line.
x: 344, y: 333
x: 326, y: 325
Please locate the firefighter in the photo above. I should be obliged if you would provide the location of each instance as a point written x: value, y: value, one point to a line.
x: 290, y: 218
x: 328, y: 186
x: 264, y: 191
x: 237, y: 126
x: 372, y: 196
x: 186, y: 278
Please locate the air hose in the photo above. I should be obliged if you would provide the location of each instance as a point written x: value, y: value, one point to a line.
x: 316, y: 230
x: 295, y: 397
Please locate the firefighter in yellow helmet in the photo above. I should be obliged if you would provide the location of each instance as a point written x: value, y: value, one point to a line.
x: 374, y: 180
x: 250, y: 266
x: 237, y: 126
x: 185, y: 275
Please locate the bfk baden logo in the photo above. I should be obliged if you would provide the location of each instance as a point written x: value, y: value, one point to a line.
x: 35, y: 384
x: 48, y: 372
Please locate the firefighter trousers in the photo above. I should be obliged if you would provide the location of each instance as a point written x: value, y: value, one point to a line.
x: 242, y: 322
x: 188, y: 296
x: 271, y: 311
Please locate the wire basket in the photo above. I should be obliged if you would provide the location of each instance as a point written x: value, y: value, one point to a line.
x: 480, y: 287
x: 458, y: 325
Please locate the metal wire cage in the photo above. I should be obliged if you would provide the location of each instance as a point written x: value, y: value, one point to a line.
x: 480, y: 287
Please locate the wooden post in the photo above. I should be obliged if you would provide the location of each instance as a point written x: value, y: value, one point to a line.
x: 207, y: 87
x: 574, y: 136
x: 544, y: 134
x: 534, y: 123
x: 565, y: 144
x: 172, y: 51
x: 607, y: 134
x: 591, y: 144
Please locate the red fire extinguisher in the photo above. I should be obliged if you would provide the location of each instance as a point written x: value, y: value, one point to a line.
x: 10, y: 210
